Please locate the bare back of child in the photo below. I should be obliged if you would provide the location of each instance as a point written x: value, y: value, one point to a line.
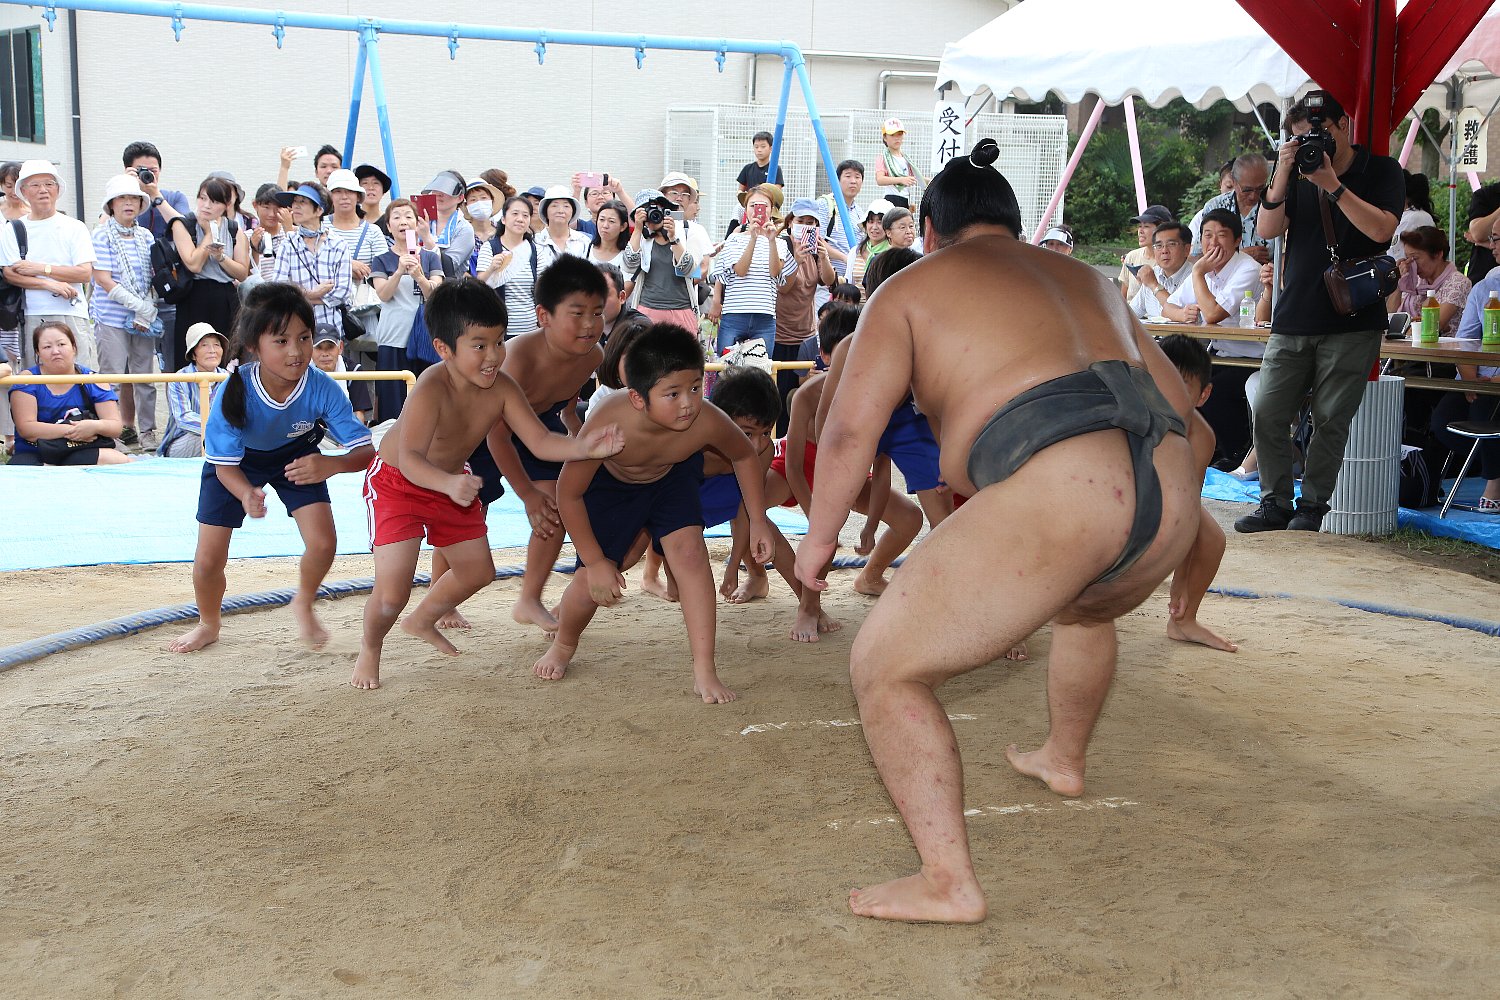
x: 421, y: 484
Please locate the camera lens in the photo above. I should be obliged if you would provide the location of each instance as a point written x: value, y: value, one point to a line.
x: 146, y: 176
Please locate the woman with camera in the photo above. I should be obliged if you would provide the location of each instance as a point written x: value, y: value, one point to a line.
x: 213, y: 246
x: 64, y: 424
x: 657, y: 259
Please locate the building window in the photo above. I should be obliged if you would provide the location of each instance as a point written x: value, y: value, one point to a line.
x: 21, y: 85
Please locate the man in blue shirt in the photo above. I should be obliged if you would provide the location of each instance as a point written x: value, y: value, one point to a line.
x: 143, y: 161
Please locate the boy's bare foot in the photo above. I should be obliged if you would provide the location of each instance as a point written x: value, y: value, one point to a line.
x: 198, y: 638
x: 430, y: 633
x: 532, y: 612
x: 870, y: 584
x: 711, y: 690
x: 1018, y: 652
x: 366, y: 674
x: 453, y: 619
x: 826, y: 624
x: 918, y: 898
x: 653, y: 586
x: 1064, y: 779
x: 554, y: 662
x: 757, y: 586
x: 309, y: 629
x: 805, y: 628
x: 1191, y: 631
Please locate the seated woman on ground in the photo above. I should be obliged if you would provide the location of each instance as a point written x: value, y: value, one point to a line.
x: 206, y: 347
x: 86, y: 417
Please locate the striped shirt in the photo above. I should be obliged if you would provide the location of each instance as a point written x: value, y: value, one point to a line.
x: 307, y: 270
x: 366, y: 248
x: 182, y: 400
x: 136, y: 257
x: 515, y: 284
x: 756, y: 291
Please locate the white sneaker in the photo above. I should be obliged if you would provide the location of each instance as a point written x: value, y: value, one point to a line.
x: 1246, y: 476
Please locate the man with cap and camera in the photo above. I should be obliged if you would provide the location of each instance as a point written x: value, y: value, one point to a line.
x: 1313, y: 346
x: 1145, y: 230
x: 1248, y: 174
x: 59, y: 258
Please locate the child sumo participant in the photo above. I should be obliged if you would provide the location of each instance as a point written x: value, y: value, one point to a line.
x: 421, y: 482
x: 1067, y: 430
x: 651, y: 488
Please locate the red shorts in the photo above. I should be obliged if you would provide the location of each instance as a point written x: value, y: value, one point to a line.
x: 399, y: 510
x: 809, y: 459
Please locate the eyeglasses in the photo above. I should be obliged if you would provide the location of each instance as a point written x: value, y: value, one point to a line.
x: 1166, y: 244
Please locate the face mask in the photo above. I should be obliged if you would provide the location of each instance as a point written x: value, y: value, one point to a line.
x: 481, y: 209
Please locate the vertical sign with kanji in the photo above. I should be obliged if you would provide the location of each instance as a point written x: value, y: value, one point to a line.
x: 947, y: 133
x: 1472, y: 133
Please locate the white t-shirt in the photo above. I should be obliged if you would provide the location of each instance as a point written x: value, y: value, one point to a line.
x: 55, y: 240
x: 1228, y: 286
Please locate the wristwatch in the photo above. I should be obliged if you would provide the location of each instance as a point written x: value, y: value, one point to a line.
x: 156, y: 202
x: 47, y: 270
x: 1336, y: 194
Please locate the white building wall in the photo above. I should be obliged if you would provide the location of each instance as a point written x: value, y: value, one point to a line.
x: 225, y: 97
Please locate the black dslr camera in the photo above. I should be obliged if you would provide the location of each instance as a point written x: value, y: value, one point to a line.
x: 146, y: 175
x: 1317, y: 141
x: 655, y: 215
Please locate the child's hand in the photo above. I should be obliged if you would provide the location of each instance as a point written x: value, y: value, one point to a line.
x: 463, y: 489
x: 606, y: 584
x: 761, y: 544
x: 255, y: 502
x: 604, y: 442
x: 541, y: 511
x: 867, y: 538
x: 307, y: 470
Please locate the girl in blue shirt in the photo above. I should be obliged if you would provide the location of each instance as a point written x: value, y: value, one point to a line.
x: 263, y: 430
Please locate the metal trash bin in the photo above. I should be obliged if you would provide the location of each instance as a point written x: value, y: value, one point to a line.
x: 1364, y: 500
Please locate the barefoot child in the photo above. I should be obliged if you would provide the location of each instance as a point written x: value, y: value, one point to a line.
x: 551, y: 365
x: 791, y: 482
x: 651, y: 487
x: 263, y: 430
x: 1191, y: 580
x: 421, y: 483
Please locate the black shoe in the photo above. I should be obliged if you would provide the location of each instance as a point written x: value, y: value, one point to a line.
x: 1309, y: 517
x: 1270, y: 516
x: 128, y: 437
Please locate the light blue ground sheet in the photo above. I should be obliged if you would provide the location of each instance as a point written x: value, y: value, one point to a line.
x: 144, y: 512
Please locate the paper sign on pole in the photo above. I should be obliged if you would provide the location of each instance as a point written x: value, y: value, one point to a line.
x: 947, y: 132
x: 1472, y: 132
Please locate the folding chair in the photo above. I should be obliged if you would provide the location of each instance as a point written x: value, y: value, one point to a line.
x: 1477, y: 431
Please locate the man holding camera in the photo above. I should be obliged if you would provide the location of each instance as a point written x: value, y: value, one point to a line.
x: 1314, y: 347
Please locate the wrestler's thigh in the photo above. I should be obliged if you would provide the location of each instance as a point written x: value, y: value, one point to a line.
x: 986, y: 578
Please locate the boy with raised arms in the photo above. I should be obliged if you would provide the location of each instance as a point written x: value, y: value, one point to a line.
x: 420, y: 482
x: 1067, y: 430
x: 650, y: 491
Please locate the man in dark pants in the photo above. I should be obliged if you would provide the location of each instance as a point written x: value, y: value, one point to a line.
x: 1313, y: 347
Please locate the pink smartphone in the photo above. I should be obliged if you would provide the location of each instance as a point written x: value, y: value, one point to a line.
x: 411, y: 241
x: 760, y: 213
x: 593, y: 180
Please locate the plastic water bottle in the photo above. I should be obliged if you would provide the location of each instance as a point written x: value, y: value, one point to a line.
x: 1247, y: 311
x: 1490, y: 338
x: 1430, y: 318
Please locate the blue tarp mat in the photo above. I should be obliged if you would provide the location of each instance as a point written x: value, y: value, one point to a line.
x: 1482, y: 529
x: 144, y: 512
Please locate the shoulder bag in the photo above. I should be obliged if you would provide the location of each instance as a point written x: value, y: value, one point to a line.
x: 1354, y: 285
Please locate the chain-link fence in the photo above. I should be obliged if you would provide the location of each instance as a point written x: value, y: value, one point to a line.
x: 712, y: 142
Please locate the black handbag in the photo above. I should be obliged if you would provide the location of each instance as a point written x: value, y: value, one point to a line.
x: 13, y: 297
x: 53, y: 451
x: 1355, y: 285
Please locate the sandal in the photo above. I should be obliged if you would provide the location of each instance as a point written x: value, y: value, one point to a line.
x: 1488, y: 506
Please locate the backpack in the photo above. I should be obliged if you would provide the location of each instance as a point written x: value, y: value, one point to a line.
x: 1419, y: 482
x: 170, y: 277
x: 12, y: 297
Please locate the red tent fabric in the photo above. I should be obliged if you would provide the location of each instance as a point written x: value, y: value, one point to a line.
x: 1373, y: 60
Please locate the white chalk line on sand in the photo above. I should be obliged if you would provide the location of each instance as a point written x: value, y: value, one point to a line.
x: 1067, y: 805
x: 782, y: 727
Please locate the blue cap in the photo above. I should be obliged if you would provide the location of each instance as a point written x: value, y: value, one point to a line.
x: 536, y: 191
x: 814, y: 207
x: 312, y: 194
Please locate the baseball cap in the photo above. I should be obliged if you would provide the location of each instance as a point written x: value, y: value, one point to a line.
x: 892, y: 126
x: 811, y: 206
x: 1057, y: 235
x: 535, y: 191
x: 677, y: 179
x: 325, y: 332
x: 1156, y: 214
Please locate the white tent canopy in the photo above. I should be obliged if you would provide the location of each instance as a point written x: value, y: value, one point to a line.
x: 1201, y: 50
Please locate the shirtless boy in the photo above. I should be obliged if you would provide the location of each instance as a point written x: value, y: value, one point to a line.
x: 1071, y: 520
x: 420, y: 481
x: 1191, y: 580
x: 651, y: 488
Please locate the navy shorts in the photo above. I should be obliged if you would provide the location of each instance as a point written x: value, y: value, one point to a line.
x: 482, y: 464
x: 218, y: 507
x: 537, y: 470
x: 619, y: 511
x: 721, y: 499
x: 909, y: 442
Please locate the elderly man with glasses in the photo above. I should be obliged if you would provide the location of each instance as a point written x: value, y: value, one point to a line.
x: 1250, y: 173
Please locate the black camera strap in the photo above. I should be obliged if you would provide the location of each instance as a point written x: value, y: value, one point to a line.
x: 1328, y: 237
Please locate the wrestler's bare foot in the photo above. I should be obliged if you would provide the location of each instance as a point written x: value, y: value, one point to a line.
x: 870, y: 584
x: 453, y: 619
x: 757, y: 586
x: 366, y: 675
x: 1063, y: 778
x: 1018, y: 652
x: 198, y: 638
x: 1192, y: 631
x: 554, y: 662
x: 532, y: 612
x: 412, y: 626
x: 826, y: 624
x: 805, y: 628
x: 918, y: 897
x: 309, y: 629
x: 652, y: 585
x: 706, y: 685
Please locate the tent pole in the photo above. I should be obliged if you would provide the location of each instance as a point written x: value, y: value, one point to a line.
x: 1279, y: 245
x: 1411, y: 140
x: 1454, y: 98
x: 356, y: 95
x: 1135, y: 154
x: 1067, y: 175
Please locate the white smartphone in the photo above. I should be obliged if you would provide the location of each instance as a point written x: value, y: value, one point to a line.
x: 298, y: 152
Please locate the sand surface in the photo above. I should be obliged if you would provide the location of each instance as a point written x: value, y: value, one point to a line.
x: 1316, y: 816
